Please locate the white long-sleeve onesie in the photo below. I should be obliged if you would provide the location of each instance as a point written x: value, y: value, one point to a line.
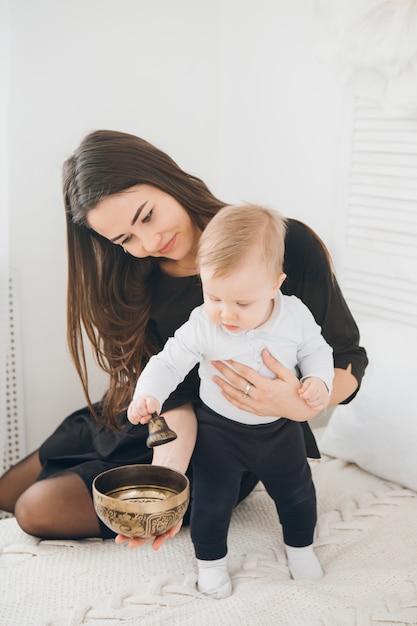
x: 290, y: 334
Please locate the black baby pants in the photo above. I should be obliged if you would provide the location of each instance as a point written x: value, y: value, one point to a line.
x: 275, y: 453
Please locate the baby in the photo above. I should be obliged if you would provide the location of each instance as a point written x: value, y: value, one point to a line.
x: 240, y: 260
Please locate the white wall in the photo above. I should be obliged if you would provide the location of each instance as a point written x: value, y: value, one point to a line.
x: 281, y: 113
x: 230, y: 89
x: 4, y: 221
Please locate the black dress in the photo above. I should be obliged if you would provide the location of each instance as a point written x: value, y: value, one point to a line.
x: 81, y: 445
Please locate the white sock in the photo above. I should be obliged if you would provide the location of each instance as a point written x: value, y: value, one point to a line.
x: 213, y: 578
x: 303, y: 563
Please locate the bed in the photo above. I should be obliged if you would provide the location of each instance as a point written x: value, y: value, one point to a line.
x: 366, y: 541
x: 366, y: 537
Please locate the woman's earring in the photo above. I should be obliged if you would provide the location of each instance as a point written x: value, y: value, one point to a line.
x: 124, y: 250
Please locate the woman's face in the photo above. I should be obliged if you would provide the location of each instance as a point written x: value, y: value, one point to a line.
x: 146, y: 221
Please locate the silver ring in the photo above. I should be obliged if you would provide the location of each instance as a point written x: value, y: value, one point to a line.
x: 246, y: 390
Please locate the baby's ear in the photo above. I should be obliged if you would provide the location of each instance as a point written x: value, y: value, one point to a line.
x: 279, y: 282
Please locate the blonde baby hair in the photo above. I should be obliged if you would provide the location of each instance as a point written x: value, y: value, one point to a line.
x: 235, y: 231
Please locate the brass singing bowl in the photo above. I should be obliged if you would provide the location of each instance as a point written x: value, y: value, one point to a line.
x: 141, y: 500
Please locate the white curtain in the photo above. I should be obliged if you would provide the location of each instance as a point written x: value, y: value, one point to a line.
x: 4, y: 227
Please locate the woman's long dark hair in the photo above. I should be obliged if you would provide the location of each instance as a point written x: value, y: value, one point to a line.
x: 109, y: 292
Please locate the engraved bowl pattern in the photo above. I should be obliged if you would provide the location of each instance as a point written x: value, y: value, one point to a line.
x: 141, y: 500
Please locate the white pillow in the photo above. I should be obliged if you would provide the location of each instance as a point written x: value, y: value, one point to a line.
x: 378, y: 429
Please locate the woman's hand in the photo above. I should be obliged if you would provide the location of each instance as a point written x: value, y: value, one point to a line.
x: 157, y: 542
x: 275, y: 397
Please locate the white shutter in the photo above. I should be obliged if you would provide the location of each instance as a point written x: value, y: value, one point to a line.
x: 13, y: 447
x: 380, y: 235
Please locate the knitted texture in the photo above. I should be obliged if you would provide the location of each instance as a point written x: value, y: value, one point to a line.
x: 366, y: 541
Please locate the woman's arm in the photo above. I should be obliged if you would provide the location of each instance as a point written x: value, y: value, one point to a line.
x: 278, y: 396
x: 344, y: 385
x: 275, y: 397
x: 311, y: 278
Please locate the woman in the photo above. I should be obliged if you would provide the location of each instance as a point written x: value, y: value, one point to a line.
x: 133, y: 223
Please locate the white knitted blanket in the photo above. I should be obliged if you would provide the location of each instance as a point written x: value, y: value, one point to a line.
x: 366, y: 541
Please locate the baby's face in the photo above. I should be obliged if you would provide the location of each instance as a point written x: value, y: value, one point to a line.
x: 242, y: 300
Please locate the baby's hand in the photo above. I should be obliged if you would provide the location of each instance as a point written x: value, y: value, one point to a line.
x: 141, y: 408
x: 315, y: 393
